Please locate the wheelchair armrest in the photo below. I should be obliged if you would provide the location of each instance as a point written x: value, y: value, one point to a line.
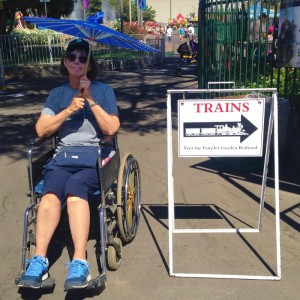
x: 109, y: 140
x: 38, y: 142
x: 39, y: 151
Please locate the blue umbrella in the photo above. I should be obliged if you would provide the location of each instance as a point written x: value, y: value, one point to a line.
x: 92, y: 32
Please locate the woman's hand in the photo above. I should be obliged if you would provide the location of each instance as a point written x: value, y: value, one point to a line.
x: 85, y: 87
x: 77, y: 103
x: 85, y: 92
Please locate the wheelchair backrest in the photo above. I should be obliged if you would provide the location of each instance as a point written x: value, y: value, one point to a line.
x: 109, y: 171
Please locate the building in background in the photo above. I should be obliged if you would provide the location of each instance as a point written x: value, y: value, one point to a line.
x: 169, y: 9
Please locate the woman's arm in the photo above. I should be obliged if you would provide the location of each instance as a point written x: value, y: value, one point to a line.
x: 108, y: 123
x: 48, y: 125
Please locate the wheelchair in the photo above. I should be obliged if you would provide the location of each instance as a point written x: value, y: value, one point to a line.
x: 118, y: 204
x: 186, y: 57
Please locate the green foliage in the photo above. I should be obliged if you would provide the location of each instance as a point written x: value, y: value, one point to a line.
x: 40, y: 37
x: 284, y: 79
x: 58, y: 8
x: 149, y: 13
x: 128, y: 28
x: 55, y: 9
x: 94, y: 6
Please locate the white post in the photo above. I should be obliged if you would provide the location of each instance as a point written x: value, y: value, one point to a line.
x: 276, y: 177
x: 50, y: 49
x: 170, y: 181
x: 45, y: 8
x: 138, y: 13
x: 130, y: 16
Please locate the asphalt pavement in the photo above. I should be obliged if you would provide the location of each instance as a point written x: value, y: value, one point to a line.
x: 208, y: 193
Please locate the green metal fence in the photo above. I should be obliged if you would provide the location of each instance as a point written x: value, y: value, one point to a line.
x: 229, y: 49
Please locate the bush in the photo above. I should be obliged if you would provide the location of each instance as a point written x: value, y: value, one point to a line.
x: 39, y: 36
x: 133, y: 28
x: 128, y: 28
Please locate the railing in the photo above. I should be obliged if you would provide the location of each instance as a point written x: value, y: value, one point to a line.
x: 18, y: 50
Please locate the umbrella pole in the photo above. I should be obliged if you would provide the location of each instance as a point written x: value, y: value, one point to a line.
x: 88, y: 61
x: 87, y: 64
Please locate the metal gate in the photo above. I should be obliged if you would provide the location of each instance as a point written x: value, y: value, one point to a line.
x: 228, y: 51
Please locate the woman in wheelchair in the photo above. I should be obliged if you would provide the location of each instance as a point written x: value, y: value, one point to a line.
x: 79, y: 112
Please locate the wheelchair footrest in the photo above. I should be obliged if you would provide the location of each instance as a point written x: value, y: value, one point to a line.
x: 93, y: 283
x: 48, y: 283
x: 45, y: 284
x: 98, y: 281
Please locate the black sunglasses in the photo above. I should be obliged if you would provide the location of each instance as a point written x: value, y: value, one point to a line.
x: 72, y: 57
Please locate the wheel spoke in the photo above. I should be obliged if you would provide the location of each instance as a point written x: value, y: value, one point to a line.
x: 128, y: 198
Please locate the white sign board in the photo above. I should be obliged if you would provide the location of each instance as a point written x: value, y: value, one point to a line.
x: 221, y: 127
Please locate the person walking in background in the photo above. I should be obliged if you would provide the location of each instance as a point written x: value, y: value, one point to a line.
x: 181, y: 32
x: 193, y: 47
x: 169, y: 33
x: 191, y: 30
x: 258, y: 29
x: 258, y: 41
x: 18, y: 18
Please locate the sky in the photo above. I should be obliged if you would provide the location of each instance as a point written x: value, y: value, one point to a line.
x: 165, y: 8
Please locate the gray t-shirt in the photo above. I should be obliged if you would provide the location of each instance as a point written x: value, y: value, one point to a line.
x: 81, y: 128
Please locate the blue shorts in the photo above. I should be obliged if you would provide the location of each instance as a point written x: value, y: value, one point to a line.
x: 73, y: 181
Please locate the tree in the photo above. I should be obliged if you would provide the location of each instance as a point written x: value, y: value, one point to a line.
x: 7, y: 15
x: 55, y: 9
x: 149, y: 13
x: 58, y: 8
x: 94, y: 6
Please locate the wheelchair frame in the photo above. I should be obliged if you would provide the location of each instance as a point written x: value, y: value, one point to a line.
x: 119, y: 209
x: 185, y: 60
x: 186, y: 57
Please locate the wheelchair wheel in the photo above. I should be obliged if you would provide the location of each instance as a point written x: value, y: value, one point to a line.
x: 128, y: 198
x: 113, y: 259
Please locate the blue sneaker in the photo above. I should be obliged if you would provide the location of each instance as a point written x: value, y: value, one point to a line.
x: 79, y: 275
x: 36, y: 272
